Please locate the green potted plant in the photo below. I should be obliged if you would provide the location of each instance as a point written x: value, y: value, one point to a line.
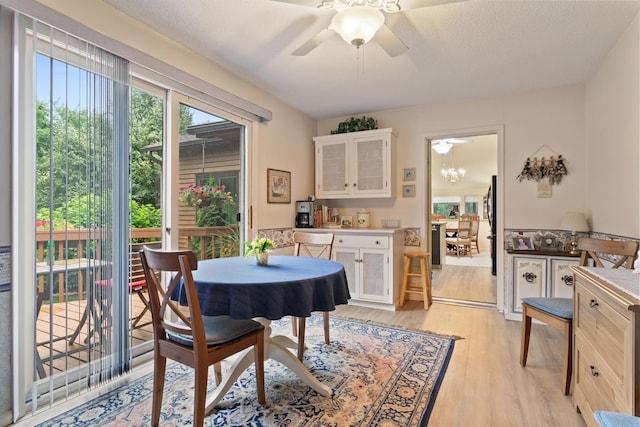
x: 356, y: 125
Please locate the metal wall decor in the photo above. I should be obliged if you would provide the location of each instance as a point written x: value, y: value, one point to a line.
x: 552, y: 168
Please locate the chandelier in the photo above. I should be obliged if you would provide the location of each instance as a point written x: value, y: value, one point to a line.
x: 357, y: 21
x: 452, y: 175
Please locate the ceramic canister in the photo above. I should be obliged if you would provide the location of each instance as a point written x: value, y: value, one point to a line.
x: 363, y: 218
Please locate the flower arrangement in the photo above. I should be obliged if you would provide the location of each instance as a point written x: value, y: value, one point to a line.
x: 258, y: 245
x: 204, y: 195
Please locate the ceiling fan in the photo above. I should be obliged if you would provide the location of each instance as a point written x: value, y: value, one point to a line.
x: 359, y: 21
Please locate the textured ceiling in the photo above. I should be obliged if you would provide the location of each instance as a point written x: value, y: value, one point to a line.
x: 458, y: 50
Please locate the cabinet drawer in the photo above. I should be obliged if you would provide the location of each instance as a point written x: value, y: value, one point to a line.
x: 596, y: 382
x: 352, y: 241
x: 605, y: 322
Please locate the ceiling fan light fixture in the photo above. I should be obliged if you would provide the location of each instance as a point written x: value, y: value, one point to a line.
x: 442, y: 147
x: 358, y: 24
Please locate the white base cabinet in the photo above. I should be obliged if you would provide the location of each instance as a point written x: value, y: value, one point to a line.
x: 537, y: 275
x: 372, y: 260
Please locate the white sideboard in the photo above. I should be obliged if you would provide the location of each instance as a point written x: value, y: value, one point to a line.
x: 537, y: 274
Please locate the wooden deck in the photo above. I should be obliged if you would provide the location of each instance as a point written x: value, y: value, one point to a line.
x: 61, y: 320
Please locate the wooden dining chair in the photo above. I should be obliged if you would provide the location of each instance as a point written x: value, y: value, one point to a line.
x: 192, y: 339
x: 317, y: 245
x: 461, y: 242
x: 558, y: 312
x: 475, y: 227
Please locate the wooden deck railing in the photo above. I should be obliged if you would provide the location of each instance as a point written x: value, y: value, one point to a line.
x: 76, y: 246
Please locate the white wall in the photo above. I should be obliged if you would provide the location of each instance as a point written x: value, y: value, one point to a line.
x: 554, y: 117
x: 613, y: 139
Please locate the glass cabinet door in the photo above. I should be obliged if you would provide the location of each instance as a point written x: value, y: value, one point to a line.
x: 370, y: 155
x: 331, y: 169
x: 375, y: 269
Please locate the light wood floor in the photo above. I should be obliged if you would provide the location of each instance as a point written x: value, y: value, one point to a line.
x: 485, y: 384
x: 464, y: 283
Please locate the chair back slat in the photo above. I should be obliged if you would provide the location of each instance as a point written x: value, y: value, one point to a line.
x: 624, y: 252
x: 317, y: 245
x: 464, y: 230
x: 136, y: 271
x: 179, y: 265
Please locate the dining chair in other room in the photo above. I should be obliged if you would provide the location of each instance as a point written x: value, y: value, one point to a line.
x: 192, y: 339
x: 317, y: 245
x: 475, y: 227
x: 461, y: 242
x: 558, y: 312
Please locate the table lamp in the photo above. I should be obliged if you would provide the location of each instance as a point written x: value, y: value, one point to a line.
x: 574, y: 222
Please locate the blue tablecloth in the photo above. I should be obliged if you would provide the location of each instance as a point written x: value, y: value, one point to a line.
x: 288, y: 286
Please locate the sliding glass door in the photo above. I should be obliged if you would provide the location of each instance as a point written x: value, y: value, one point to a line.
x: 210, y: 181
x: 72, y: 214
x: 107, y: 162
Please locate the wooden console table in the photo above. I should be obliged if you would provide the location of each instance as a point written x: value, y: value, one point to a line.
x: 606, y: 341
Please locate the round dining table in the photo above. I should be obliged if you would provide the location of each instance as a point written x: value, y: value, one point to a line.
x: 287, y: 286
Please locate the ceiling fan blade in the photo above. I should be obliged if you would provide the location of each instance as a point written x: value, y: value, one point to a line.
x: 452, y: 141
x: 390, y: 42
x: 416, y: 4
x: 313, y: 42
x: 310, y: 3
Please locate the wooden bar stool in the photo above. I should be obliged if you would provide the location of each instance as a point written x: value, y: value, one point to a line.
x: 424, y: 274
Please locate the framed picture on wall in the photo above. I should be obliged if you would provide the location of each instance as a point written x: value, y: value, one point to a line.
x: 408, y: 191
x: 409, y: 174
x: 278, y: 186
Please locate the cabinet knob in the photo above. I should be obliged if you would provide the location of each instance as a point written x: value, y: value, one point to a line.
x: 567, y: 279
x: 594, y: 371
x: 355, y: 185
x: 377, y: 242
x: 530, y: 277
x: 340, y: 241
x: 346, y: 185
x: 593, y: 303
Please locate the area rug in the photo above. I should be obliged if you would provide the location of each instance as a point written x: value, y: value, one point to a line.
x: 381, y: 376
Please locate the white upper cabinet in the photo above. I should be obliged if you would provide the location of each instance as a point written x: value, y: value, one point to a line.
x: 355, y: 165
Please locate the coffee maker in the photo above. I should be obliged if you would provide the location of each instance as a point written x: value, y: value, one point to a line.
x: 305, y: 217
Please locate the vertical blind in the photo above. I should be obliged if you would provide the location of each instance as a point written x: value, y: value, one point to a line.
x: 74, y: 98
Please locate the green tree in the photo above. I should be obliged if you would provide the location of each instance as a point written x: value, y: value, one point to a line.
x: 147, y: 118
x: 146, y: 129
x: 65, y: 163
x: 68, y: 177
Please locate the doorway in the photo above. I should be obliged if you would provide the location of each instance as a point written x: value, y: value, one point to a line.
x: 458, y: 184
